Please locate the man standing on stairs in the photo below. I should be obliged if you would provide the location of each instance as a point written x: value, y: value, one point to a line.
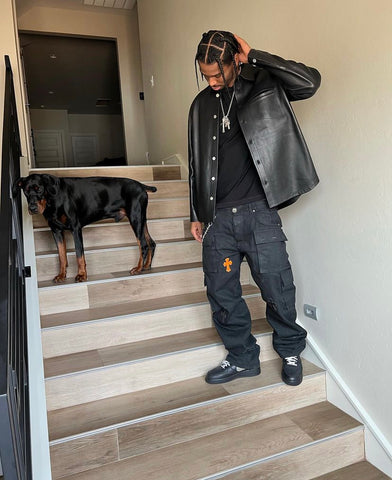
x: 247, y: 159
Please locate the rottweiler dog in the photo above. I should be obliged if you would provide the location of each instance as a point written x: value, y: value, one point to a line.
x: 70, y: 203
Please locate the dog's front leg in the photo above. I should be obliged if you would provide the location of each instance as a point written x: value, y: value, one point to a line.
x: 78, y: 239
x: 62, y: 252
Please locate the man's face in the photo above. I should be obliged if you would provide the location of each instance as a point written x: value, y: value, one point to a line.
x: 214, y: 77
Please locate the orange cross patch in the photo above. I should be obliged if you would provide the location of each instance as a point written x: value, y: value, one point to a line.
x: 227, y: 264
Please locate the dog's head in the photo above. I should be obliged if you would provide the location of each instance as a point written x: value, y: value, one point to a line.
x: 38, y: 189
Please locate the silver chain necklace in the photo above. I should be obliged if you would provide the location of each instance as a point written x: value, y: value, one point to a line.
x: 225, y: 118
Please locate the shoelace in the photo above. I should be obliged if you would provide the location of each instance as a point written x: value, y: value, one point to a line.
x: 225, y: 364
x: 293, y: 361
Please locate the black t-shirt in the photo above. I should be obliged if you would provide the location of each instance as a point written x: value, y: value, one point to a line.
x: 238, y: 180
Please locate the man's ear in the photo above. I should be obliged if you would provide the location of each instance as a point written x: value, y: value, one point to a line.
x: 51, y: 184
x: 18, y: 184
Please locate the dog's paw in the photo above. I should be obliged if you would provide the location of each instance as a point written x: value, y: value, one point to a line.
x: 81, y: 277
x: 135, y: 271
x: 59, y: 278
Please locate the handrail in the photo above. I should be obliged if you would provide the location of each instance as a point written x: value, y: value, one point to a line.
x: 15, y: 447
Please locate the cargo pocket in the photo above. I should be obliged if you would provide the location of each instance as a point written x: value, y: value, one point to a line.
x: 271, y: 250
x: 210, y: 261
x: 288, y: 289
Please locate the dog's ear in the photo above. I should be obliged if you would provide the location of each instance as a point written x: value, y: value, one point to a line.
x: 18, y: 184
x: 51, y: 184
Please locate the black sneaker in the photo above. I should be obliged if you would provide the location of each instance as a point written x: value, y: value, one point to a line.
x: 226, y: 372
x: 292, y: 370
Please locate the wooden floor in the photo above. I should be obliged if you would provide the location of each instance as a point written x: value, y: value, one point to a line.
x: 125, y: 360
x: 358, y: 471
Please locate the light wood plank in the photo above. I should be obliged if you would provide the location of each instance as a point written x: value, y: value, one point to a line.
x: 124, y: 408
x: 357, y: 471
x: 115, y: 259
x: 219, y: 452
x: 83, y: 454
x: 130, y: 328
x: 111, y: 234
x: 81, y: 387
x: 304, y: 464
x: 161, y: 432
x: 135, y: 307
x: 138, y: 350
x: 137, y: 172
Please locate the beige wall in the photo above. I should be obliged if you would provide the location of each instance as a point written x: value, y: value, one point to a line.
x: 340, y: 234
x: 123, y: 28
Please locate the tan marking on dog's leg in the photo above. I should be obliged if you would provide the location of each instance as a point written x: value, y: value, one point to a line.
x: 62, y: 251
x: 147, y: 264
x: 139, y: 266
x: 82, y: 271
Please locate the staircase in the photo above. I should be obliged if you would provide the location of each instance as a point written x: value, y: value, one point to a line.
x: 125, y: 359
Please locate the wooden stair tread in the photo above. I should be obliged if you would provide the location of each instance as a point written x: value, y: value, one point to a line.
x: 91, y: 314
x: 114, y: 246
x: 224, y: 451
x: 357, y: 471
x: 124, y: 408
x: 119, y: 275
x: 77, y: 362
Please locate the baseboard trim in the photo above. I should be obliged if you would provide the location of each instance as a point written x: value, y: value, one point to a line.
x: 377, y: 448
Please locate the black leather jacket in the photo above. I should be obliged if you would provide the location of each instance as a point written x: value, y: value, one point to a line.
x: 270, y: 128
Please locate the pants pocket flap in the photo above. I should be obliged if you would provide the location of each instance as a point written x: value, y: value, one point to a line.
x: 270, y: 235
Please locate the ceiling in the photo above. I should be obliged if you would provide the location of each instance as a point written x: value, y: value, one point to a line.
x: 71, y: 73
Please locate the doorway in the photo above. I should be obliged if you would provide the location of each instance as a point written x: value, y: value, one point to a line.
x: 74, y: 97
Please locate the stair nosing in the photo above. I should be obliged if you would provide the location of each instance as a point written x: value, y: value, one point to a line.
x: 245, y: 466
x: 144, y: 359
x: 174, y: 411
x: 127, y: 315
x: 195, y: 266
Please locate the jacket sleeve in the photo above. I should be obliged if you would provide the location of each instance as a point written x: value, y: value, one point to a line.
x: 298, y: 80
x: 191, y: 169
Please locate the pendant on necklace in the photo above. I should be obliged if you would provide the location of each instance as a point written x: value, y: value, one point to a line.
x: 225, y: 123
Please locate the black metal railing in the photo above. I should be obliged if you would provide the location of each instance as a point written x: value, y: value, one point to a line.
x: 14, y: 398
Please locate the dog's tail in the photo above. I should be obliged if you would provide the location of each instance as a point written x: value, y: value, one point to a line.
x: 149, y: 188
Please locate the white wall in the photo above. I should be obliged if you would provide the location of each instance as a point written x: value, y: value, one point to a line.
x: 104, y: 24
x: 340, y: 234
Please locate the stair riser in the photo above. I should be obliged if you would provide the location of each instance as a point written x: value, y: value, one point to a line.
x: 166, y: 208
x: 107, y: 261
x: 190, y: 424
x: 310, y: 462
x: 300, y: 464
x: 102, y: 235
x: 121, y: 379
x: 79, y: 296
x: 102, y: 334
x: 142, y: 173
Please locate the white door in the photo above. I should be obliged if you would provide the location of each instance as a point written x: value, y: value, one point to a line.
x: 49, y: 148
x: 85, y: 150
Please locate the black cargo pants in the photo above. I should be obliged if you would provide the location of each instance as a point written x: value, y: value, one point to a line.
x: 252, y: 231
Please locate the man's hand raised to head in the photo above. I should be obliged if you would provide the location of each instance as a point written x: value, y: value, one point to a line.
x: 244, y: 49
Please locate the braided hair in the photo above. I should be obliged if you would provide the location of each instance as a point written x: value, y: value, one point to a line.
x: 217, y: 46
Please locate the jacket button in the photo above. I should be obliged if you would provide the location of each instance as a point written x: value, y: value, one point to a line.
x: 214, y: 137
x: 211, y: 198
x: 215, y: 116
x: 217, y: 95
x: 254, y: 60
x: 214, y: 158
x: 212, y: 178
